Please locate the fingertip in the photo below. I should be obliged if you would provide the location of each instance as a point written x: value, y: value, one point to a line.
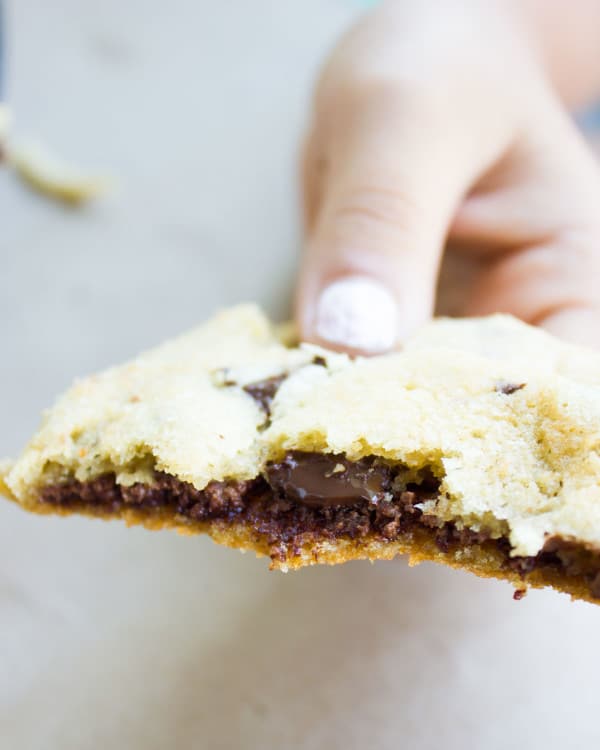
x: 356, y: 313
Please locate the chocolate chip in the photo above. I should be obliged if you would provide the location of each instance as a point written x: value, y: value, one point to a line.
x: 320, y: 480
x: 518, y: 594
x: 507, y: 388
x: 263, y: 391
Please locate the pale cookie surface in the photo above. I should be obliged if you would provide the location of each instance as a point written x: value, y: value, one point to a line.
x: 505, y: 416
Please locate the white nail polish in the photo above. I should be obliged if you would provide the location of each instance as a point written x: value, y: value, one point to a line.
x: 357, y: 312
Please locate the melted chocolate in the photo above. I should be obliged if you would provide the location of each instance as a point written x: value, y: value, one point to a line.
x: 321, y: 480
x: 312, y: 497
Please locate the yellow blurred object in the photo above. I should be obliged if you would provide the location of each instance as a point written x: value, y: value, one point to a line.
x: 49, y: 175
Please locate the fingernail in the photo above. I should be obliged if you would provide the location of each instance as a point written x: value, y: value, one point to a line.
x: 359, y: 313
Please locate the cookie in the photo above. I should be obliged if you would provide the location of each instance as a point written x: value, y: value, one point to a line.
x: 477, y: 445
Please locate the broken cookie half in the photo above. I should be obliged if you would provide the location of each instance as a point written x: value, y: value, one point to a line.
x: 477, y: 446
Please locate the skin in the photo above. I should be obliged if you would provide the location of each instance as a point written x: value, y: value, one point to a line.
x: 441, y: 125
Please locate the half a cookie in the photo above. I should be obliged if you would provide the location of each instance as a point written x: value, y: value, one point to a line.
x: 477, y: 446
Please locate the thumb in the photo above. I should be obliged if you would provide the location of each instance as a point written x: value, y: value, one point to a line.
x: 392, y: 185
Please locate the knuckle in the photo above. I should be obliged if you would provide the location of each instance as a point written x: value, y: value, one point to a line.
x: 376, y: 86
x: 378, y: 203
x: 375, y: 213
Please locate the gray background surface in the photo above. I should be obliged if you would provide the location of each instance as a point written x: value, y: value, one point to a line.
x: 122, y: 638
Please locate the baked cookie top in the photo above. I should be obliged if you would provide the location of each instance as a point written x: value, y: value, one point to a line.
x: 506, y: 417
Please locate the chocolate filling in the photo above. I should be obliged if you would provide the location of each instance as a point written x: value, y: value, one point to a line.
x: 310, y: 497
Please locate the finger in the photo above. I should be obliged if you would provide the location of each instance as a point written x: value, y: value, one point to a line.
x: 579, y: 325
x: 394, y: 181
x: 313, y: 167
x: 536, y: 282
x: 553, y: 286
x: 548, y: 218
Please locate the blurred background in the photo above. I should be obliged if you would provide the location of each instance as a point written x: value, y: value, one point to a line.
x: 124, y: 638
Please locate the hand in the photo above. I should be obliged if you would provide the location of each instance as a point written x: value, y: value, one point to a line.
x: 443, y: 122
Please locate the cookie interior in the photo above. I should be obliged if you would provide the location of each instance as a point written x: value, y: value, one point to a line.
x: 312, y: 507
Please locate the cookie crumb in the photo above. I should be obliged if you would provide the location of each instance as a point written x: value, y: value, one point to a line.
x: 45, y: 173
x: 518, y: 594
